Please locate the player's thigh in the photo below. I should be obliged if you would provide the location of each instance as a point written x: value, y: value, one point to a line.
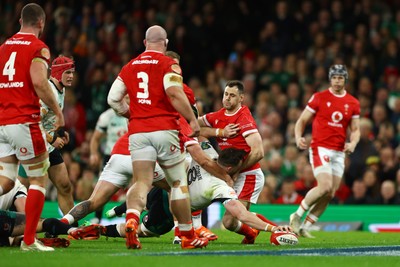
x: 102, y: 193
x: 163, y: 146
x: 338, y: 160
x: 30, y: 141
x: 118, y: 171
x: 248, y: 185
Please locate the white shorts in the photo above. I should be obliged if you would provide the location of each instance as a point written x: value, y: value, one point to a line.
x: 209, y: 188
x: 161, y: 146
x: 325, y: 160
x: 26, y: 141
x: 118, y: 171
x: 249, y: 184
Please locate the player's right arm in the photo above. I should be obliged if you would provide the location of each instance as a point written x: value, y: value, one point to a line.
x: 116, y: 98
x: 299, y: 127
x: 230, y: 130
x: 94, y: 147
x: 38, y: 72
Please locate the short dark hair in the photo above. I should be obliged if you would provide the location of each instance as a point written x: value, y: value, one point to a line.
x: 236, y: 83
x: 231, y: 156
x: 173, y: 55
x: 31, y: 14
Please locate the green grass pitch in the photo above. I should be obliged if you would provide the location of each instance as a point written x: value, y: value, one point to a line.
x: 328, y: 249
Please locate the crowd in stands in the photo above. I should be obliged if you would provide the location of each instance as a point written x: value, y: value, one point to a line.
x: 281, y: 50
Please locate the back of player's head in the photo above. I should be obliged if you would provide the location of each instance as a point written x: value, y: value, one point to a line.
x: 231, y: 157
x: 31, y: 14
x: 339, y: 70
x: 173, y: 55
x: 235, y: 83
x: 156, y: 34
x: 59, y: 65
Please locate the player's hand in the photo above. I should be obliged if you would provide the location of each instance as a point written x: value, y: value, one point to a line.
x: 59, y: 143
x: 195, y: 128
x: 59, y: 123
x: 231, y: 130
x: 94, y: 160
x: 301, y: 143
x: 66, y: 137
x: 349, y: 148
x: 284, y: 228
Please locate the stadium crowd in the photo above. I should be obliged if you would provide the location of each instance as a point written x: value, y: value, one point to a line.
x: 281, y: 50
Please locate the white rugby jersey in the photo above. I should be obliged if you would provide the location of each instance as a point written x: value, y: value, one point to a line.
x: 114, y: 126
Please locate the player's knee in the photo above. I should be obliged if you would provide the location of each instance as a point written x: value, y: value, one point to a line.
x: 229, y: 222
x: 64, y: 187
x: 324, y: 190
x: 38, y: 169
x: 9, y: 170
x: 176, y: 174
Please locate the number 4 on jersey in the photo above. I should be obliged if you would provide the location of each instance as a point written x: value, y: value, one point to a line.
x: 9, y: 69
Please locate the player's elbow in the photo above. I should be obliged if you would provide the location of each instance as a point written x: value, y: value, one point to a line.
x: 258, y: 154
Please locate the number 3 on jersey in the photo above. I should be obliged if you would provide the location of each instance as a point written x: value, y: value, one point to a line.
x: 144, y: 84
x: 9, y: 69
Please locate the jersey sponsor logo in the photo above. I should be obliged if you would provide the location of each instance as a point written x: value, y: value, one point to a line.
x: 336, y: 117
x: 45, y: 53
x: 224, y: 143
x: 194, y: 174
x: 145, y: 61
x: 17, y: 42
x: 176, y: 68
x: 12, y: 85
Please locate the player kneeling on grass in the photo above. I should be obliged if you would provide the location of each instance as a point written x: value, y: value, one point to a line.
x: 12, y: 224
x: 204, y: 189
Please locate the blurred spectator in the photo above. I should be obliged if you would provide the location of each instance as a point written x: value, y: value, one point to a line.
x: 306, y: 180
x: 364, y: 149
x: 388, y: 164
x: 372, y: 183
x: 288, y: 194
x: 388, y: 194
x: 358, y: 194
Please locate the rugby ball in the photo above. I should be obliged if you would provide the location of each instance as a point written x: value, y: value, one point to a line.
x: 280, y: 238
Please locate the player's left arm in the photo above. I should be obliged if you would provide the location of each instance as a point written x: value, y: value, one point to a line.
x: 116, y: 98
x: 254, y: 141
x: 354, y: 136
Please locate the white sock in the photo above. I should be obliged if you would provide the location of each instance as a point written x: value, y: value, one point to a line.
x: 310, y: 220
x: 69, y: 218
x: 303, y: 207
x: 197, y: 221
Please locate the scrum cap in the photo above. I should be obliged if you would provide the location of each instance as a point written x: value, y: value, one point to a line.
x: 340, y: 70
x: 59, y: 65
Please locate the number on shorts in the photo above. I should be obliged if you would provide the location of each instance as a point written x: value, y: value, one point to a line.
x: 9, y: 69
x: 144, y: 84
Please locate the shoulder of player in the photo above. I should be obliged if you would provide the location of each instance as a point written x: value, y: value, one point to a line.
x: 107, y: 115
